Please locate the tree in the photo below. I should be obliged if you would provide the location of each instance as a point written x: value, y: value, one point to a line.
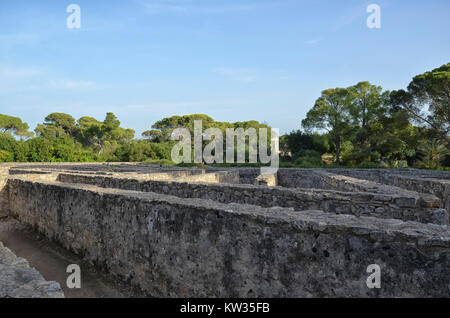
x: 56, y: 125
x: 152, y: 135
x: 433, y: 152
x: 89, y: 131
x: 64, y: 121
x: 112, y: 132
x: 14, y: 125
x: 49, y: 131
x: 331, y: 112
x: 167, y: 125
x: 111, y: 122
x: 428, y: 101
x: 366, y: 110
x: 297, y: 142
x: 365, y: 103
x: 104, y: 137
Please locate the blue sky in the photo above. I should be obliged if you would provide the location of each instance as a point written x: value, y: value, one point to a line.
x: 234, y: 60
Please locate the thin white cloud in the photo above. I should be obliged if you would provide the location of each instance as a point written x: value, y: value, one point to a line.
x: 17, y: 79
x: 249, y: 75
x: 73, y: 84
x: 20, y: 38
x: 9, y: 73
x: 154, y: 7
x: 313, y: 42
x: 246, y: 75
x: 184, y: 106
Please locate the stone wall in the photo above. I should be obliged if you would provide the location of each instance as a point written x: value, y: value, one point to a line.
x: 331, y: 180
x: 377, y: 175
x: 19, y: 280
x: 244, y: 175
x: 423, y: 181
x: 437, y: 187
x: 178, y: 247
x: 298, y: 178
x: 360, y: 204
x: 4, y: 173
x: 193, y: 175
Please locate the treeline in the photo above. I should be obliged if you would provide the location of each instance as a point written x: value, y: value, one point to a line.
x: 366, y: 126
x: 358, y: 126
x: 61, y: 138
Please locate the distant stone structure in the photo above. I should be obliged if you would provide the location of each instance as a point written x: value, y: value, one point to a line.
x: 216, y: 232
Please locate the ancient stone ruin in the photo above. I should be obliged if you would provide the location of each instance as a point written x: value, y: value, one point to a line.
x: 215, y: 232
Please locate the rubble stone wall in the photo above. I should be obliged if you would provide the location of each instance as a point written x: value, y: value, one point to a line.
x: 179, y: 247
x: 19, y: 280
x: 4, y: 174
x: 399, y: 206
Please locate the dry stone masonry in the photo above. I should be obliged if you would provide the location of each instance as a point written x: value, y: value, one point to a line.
x: 19, y: 280
x: 190, y: 232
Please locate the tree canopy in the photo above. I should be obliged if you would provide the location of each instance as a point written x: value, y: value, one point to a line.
x: 429, y: 100
x: 14, y: 125
x: 331, y: 112
x: 357, y: 126
x: 368, y: 125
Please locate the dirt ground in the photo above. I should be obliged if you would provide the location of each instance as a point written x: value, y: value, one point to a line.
x: 52, y: 261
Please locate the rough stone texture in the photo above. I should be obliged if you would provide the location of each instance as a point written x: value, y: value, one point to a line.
x: 215, y: 232
x: 326, y: 180
x: 440, y: 216
x: 433, y: 182
x: 193, y: 247
x: 3, y: 192
x: 245, y: 175
x: 377, y: 175
x: 437, y: 187
x: 269, y: 180
x: 18, y: 280
x: 396, y: 206
x: 102, y: 168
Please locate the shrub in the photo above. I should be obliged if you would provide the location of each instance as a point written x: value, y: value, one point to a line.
x: 161, y: 162
x: 6, y: 156
x: 309, y: 162
x: 370, y: 165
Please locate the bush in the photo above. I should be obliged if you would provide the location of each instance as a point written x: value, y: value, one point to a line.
x: 144, y: 151
x: 370, y: 165
x: 7, y: 142
x: 297, y: 142
x: 161, y: 162
x: 162, y: 150
x: 61, y: 149
x: 309, y: 162
x: 354, y: 157
x: 287, y: 164
x: 308, y: 159
x: 6, y: 156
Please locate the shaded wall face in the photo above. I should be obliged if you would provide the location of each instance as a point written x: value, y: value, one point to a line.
x: 3, y: 191
x: 178, y: 247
